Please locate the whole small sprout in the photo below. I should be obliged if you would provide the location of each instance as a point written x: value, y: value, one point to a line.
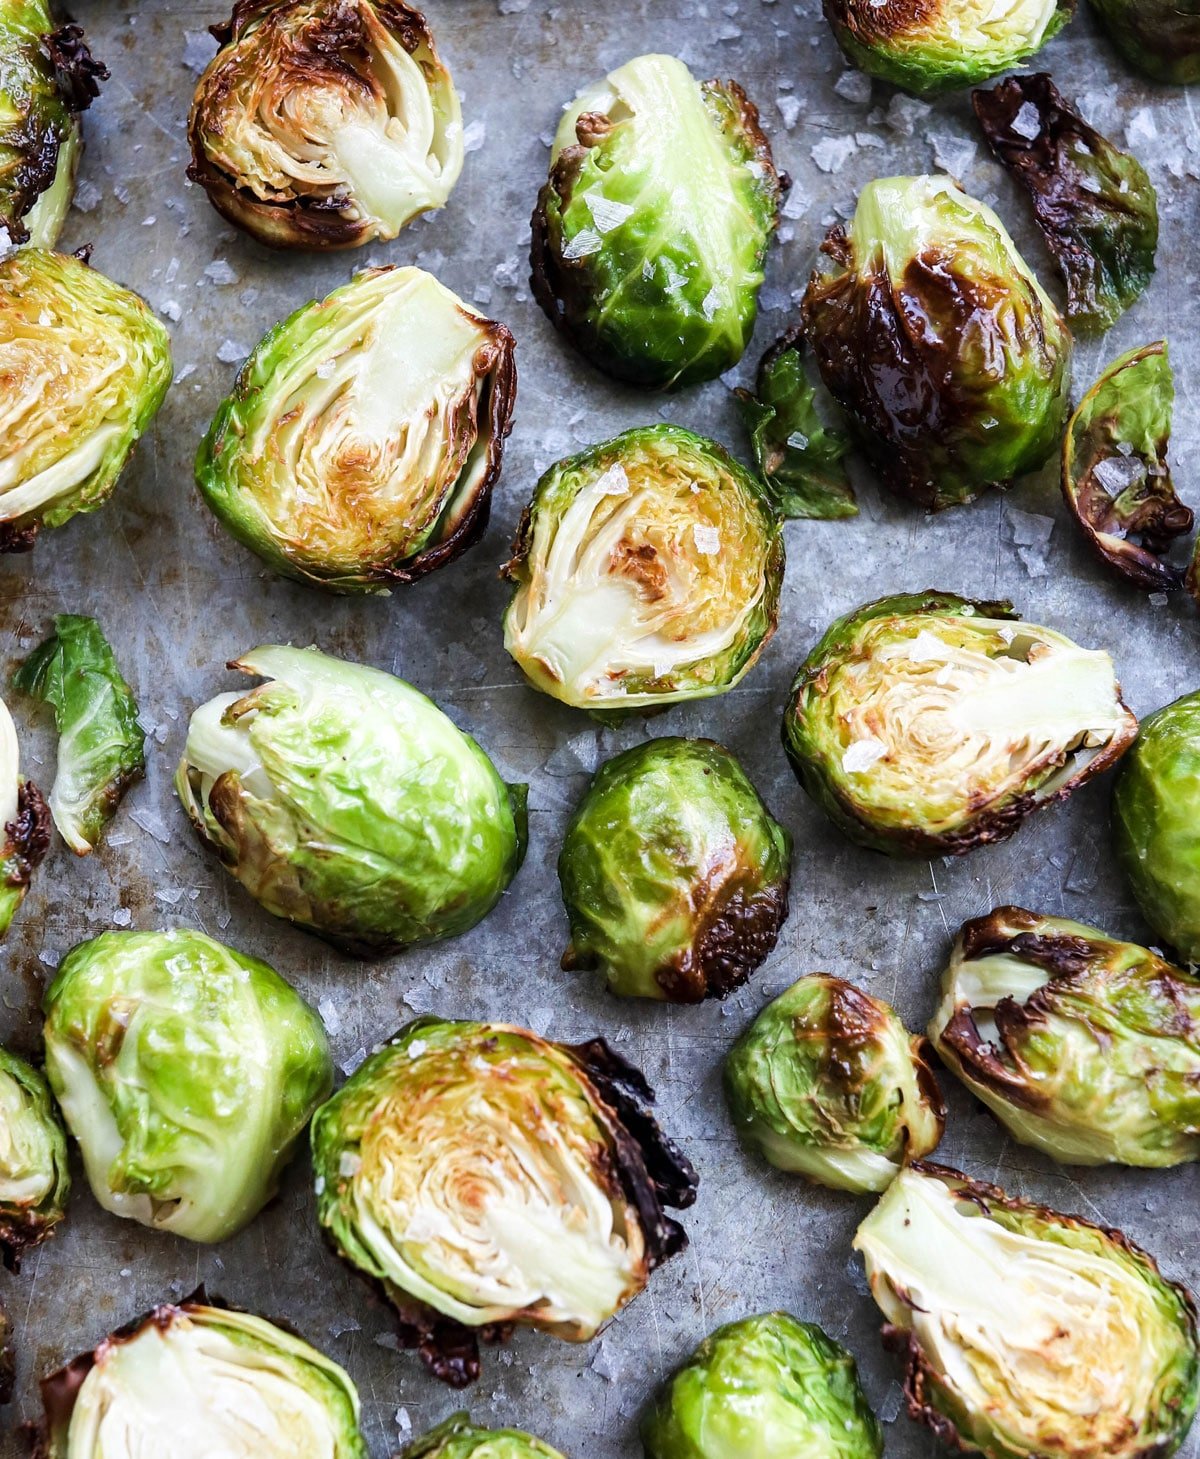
x: 1161, y: 38
x: 458, y: 1438
x: 35, y: 1180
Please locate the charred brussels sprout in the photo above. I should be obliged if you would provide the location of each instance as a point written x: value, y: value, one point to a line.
x: 363, y: 437
x: 829, y: 1083
x: 101, y: 747
x: 458, y: 1438
x: 84, y: 366
x: 674, y: 873
x: 926, y: 724
x: 325, y: 126
x: 767, y: 1385
x: 1028, y: 1334
x: 34, y: 1179
x: 650, y: 235
x: 1084, y: 1047
x: 647, y: 571
x: 344, y: 800
x: 1159, y: 37
x: 931, y: 331
x: 489, y: 1178
x: 25, y: 821
x: 186, y: 1071
x: 216, y: 1380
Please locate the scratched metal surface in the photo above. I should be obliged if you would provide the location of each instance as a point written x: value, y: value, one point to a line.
x: 178, y: 598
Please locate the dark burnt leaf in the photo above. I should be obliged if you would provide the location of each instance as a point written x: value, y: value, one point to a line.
x: 76, y: 70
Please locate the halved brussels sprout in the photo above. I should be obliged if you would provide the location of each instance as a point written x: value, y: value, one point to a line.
x: 26, y: 823
x: 364, y: 434
x: 47, y: 78
x: 488, y: 1178
x: 1159, y: 37
x: 458, y: 1438
x: 650, y: 235
x: 933, y: 334
x: 199, y: 1379
x: 1028, y: 1334
x: 945, y: 43
x: 829, y: 1083
x: 101, y: 747
x: 344, y: 800
x: 767, y: 1385
x: 674, y: 873
x: 186, y: 1071
x: 85, y: 367
x: 926, y: 724
x: 647, y: 571
x: 34, y: 1178
x: 325, y: 126
x: 1082, y: 1046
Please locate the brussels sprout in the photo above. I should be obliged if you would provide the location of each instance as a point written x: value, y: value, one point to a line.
x: 217, y: 1381
x: 34, y: 1179
x: 828, y: 1082
x: 650, y: 234
x: 1096, y: 207
x: 674, y: 873
x: 86, y: 365
x: 489, y: 1178
x: 458, y: 1438
x: 647, y: 571
x: 325, y: 126
x: 1028, y: 1334
x: 363, y: 437
x: 26, y: 823
x: 1159, y: 37
x: 931, y: 331
x: 47, y: 78
x: 186, y: 1071
x: 764, y: 1386
x: 344, y: 800
x: 1082, y: 1046
x: 799, y: 458
x: 101, y: 749
x: 926, y: 724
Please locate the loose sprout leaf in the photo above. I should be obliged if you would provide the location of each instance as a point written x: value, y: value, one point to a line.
x: 35, y: 1179
x: 1159, y: 37
x: 101, y: 744
x: 1094, y: 203
x: 458, y: 1438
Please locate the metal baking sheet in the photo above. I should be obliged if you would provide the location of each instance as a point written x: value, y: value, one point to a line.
x: 179, y: 598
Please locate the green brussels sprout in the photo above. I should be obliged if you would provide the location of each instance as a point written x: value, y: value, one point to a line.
x: 34, y: 1179
x: 939, y: 46
x: 186, y: 1072
x: 1160, y: 37
x: 1082, y: 1046
x: 325, y: 126
x: 650, y: 234
x: 458, y: 1438
x: 829, y: 1083
x: 488, y: 1178
x: 674, y: 873
x: 364, y: 434
x: 86, y: 366
x: 345, y: 801
x: 647, y: 571
x: 926, y: 724
x: 199, y: 1379
x: 25, y: 821
x: 47, y: 79
x: 1028, y: 1334
x: 763, y: 1387
x: 101, y: 747
x: 933, y: 334
x: 1156, y: 823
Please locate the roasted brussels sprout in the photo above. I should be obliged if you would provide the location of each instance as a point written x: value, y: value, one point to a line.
x: 650, y: 235
x: 26, y: 823
x: 458, y: 1438
x: 1082, y: 1046
x: 926, y: 724
x: 34, y: 1179
x: 215, y: 1380
x: 363, y: 437
x: 47, y: 78
x: 1096, y: 207
x: 647, y: 571
x: 489, y: 1178
x: 767, y: 1385
x: 1159, y: 37
x: 674, y: 873
x: 101, y: 747
x: 344, y: 800
x: 85, y: 367
x: 828, y: 1082
x: 931, y: 331
x: 325, y: 126
x: 1028, y: 1334
x: 186, y: 1071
